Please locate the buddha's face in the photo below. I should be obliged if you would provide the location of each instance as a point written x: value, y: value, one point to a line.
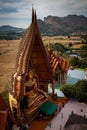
x: 31, y: 74
x: 34, y: 79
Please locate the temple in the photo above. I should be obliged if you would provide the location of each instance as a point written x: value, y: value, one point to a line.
x: 59, y: 66
x: 34, y: 69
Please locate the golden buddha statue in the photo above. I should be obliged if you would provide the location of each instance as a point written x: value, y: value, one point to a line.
x: 35, y: 95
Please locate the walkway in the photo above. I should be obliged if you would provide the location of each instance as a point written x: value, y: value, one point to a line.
x: 59, y: 121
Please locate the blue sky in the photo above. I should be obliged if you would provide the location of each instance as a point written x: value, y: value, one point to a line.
x: 18, y: 12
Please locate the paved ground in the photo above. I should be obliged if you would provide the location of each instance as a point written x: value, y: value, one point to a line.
x: 59, y: 121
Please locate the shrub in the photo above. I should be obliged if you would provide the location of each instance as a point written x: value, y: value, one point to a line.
x: 78, y: 90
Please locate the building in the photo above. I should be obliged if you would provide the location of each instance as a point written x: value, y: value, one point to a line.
x: 59, y: 66
x: 33, y: 71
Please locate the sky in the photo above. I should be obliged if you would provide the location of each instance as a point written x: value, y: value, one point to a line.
x: 18, y: 12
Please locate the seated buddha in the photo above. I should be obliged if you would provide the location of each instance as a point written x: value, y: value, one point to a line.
x: 35, y: 96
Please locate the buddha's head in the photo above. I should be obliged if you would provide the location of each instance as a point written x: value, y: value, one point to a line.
x: 32, y: 74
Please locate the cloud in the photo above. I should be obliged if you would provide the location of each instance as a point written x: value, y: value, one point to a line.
x: 7, y: 10
x: 60, y: 7
x: 10, y: 1
x: 21, y: 9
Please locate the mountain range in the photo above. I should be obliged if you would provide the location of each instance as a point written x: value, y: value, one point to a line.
x: 8, y: 28
x: 53, y: 25
x: 63, y: 25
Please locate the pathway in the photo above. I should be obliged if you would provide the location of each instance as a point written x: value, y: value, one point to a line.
x: 59, y: 121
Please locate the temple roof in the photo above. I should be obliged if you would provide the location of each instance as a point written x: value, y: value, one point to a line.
x: 32, y: 55
x: 58, y: 61
x: 32, y: 51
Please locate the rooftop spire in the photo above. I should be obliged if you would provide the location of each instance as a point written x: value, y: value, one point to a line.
x: 35, y: 17
x: 32, y: 14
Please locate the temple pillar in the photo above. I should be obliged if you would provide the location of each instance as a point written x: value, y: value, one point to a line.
x: 53, y: 88
x: 60, y: 77
x: 18, y: 110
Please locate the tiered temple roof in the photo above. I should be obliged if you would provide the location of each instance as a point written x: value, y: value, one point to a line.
x: 58, y: 61
x: 59, y: 66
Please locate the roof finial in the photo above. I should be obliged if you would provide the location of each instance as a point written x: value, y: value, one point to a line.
x: 49, y: 47
x: 35, y: 17
x: 49, y: 44
x: 32, y: 14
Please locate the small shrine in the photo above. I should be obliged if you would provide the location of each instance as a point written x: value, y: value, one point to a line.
x: 34, y: 69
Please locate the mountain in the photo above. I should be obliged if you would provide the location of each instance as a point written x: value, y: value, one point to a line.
x: 53, y: 25
x: 7, y: 28
x: 10, y: 33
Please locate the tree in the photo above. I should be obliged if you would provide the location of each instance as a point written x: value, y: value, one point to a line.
x: 81, y: 90
x: 70, y: 44
x: 74, y: 61
x: 68, y: 90
x: 78, y: 90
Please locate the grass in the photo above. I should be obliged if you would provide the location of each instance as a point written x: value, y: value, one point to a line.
x: 5, y: 96
x: 80, y: 69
